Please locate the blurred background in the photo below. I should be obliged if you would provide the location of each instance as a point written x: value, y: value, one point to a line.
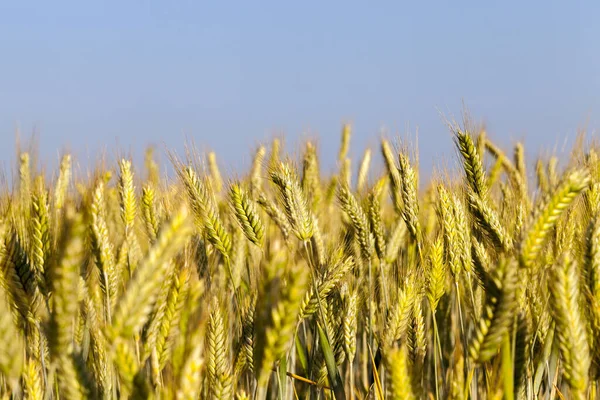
x: 114, y: 77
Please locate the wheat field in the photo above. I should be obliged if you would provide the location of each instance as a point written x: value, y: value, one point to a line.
x: 285, y: 283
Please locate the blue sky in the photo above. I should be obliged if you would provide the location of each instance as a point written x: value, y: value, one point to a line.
x: 87, y: 76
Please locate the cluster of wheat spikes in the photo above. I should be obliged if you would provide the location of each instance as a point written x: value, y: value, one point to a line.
x: 285, y: 284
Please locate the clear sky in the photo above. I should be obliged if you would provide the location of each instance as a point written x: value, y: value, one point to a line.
x: 86, y: 76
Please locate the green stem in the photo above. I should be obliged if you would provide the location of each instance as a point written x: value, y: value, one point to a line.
x: 460, y: 317
x: 370, y: 306
x: 462, y: 328
x: 507, y: 369
x: 384, y: 289
x: 435, y: 356
x: 351, y: 365
x: 472, y: 297
x: 236, y: 294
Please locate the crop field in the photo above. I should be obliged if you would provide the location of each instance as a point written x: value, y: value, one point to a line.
x: 285, y: 283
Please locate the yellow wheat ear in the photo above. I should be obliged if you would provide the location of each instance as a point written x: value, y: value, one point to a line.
x: 215, y: 173
x: 410, y: 212
x: 399, y: 373
x: 206, y: 214
x: 298, y: 280
x: 64, y: 281
x: 473, y: 164
x: 133, y: 306
x: 571, y: 325
x: 345, y: 143
x: 276, y: 317
x: 62, y: 183
x: 220, y: 379
x: 498, y: 312
x: 11, y: 343
x: 547, y: 218
x: 247, y: 216
x: 359, y: 220
x: 294, y: 202
x: 127, y: 194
